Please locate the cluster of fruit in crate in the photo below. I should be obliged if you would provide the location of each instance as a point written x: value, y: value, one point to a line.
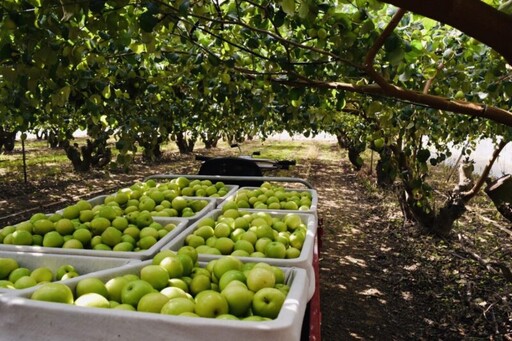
x: 249, y: 234
x: 160, y: 194
x: 14, y: 276
x: 84, y: 226
x: 174, y: 283
x: 273, y: 197
x: 167, y: 199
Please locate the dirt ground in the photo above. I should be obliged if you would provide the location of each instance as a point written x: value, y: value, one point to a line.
x: 379, y: 280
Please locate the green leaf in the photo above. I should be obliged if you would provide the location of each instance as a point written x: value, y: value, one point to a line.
x: 288, y: 6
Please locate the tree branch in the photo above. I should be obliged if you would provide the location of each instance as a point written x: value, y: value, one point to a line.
x: 473, y: 17
x: 435, y: 102
x: 485, y: 173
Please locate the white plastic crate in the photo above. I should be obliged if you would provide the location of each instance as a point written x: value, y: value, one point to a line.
x: 181, y: 224
x: 305, y: 260
x: 312, y: 209
x: 24, y: 319
x: 83, y: 264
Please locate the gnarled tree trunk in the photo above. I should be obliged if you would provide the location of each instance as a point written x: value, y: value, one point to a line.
x: 500, y: 192
x: 185, y: 146
x: 7, y: 140
x: 93, y: 154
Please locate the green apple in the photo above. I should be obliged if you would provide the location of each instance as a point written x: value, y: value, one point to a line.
x: 43, y: 226
x: 148, y: 231
x: 292, y: 252
x: 261, y: 244
x: 53, y: 239
x: 152, y: 302
x: 22, y: 237
x: 114, y: 287
x: 92, y: 300
x: 187, y: 262
x: 124, y: 306
x: 224, y: 264
x: 199, y: 283
x: 132, y: 231
x: 107, y: 212
x: 173, y: 292
x: 131, y: 277
x: 259, y: 278
x: 134, y: 290
x: 227, y: 317
x: 190, y: 251
x: 42, y: 274
x: 64, y: 226
x: 91, y: 284
x: 25, y: 226
x: 123, y: 247
x: 178, y: 305
x: 72, y: 243
x: 144, y: 219
x: 244, y: 245
x: 297, y: 239
x: 173, y: 266
x: 210, y: 303
x: 147, y: 242
x: 292, y: 221
x: 146, y: 204
x: 275, y: 250
x: 156, y: 275
x: 157, y: 258
x: 229, y: 276
x: 86, y: 216
x: 267, y: 302
x: 285, y: 288
x: 222, y: 230
x: 24, y: 282
x: 225, y: 245
x: 279, y: 274
x: 120, y: 223
x: 239, y: 299
x: 194, y: 240
x: 205, y: 232
x: 18, y: 273
x: 182, y: 283
x: 98, y: 225
x: 53, y: 292
x: 62, y: 270
x: 200, y: 271
x: 111, y: 236
x: 6, y: 284
x: 250, y: 236
x: 210, y: 241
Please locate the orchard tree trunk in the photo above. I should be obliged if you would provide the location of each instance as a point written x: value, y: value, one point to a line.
x: 210, y: 140
x: 41, y: 135
x: 386, y: 174
x: 7, y: 140
x: 152, y: 151
x: 94, y: 154
x: 354, y: 150
x: 500, y: 192
x: 185, y: 146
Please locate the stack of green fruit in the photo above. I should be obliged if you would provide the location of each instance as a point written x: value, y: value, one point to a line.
x: 272, y: 197
x: 161, y: 200
x: 82, y: 226
x: 174, y: 283
x: 14, y: 276
x: 249, y: 234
